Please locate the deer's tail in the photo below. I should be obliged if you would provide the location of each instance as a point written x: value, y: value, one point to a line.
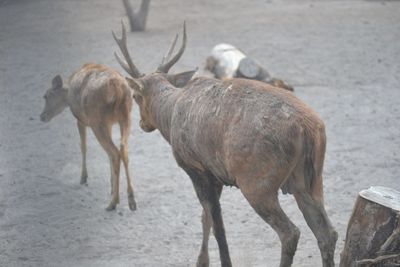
x: 115, y: 93
x: 313, y: 159
x: 315, y: 145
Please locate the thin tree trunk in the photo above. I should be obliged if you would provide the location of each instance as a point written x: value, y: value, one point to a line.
x: 137, y: 20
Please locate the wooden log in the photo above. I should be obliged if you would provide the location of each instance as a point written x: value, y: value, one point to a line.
x: 224, y: 61
x: 373, y: 231
x: 248, y: 68
x: 227, y: 61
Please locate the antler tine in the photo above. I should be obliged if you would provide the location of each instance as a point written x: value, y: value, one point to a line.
x: 167, y: 56
x: 123, y: 64
x: 128, y: 66
x: 166, y: 66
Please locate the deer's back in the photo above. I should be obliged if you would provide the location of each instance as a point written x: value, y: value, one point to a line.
x: 219, y: 126
x: 98, y: 93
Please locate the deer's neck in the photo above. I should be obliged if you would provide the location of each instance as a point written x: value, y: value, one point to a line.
x: 73, y: 99
x: 162, y: 109
x: 65, y: 97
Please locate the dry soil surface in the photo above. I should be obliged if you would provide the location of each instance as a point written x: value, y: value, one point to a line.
x: 342, y: 57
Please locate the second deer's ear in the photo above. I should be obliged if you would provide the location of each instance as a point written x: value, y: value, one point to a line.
x: 181, y: 79
x: 135, y: 84
x: 57, y: 82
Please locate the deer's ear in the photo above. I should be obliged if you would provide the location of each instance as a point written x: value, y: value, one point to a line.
x: 135, y: 84
x: 57, y: 82
x: 181, y: 79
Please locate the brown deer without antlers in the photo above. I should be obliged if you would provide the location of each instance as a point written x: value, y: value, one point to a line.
x: 240, y: 133
x: 98, y: 97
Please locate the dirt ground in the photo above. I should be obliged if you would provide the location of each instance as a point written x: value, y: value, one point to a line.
x: 342, y: 57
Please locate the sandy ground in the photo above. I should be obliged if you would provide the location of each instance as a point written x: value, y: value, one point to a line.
x: 341, y: 56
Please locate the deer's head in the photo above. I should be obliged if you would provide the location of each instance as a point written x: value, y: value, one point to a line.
x: 55, y: 98
x: 145, y: 86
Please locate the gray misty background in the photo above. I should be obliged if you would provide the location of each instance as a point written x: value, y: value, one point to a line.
x: 342, y: 57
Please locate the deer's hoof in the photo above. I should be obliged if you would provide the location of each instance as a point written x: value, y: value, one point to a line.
x: 111, y: 207
x: 84, y: 180
x: 132, y: 202
x: 203, y: 260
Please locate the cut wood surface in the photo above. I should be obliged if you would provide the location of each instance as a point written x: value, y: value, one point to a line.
x: 248, y: 68
x: 384, y: 196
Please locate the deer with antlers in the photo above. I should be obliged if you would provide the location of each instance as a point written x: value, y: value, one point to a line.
x: 98, y: 97
x: 241, y: 133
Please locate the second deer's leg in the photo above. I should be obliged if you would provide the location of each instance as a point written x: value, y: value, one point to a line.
x: 206, y: 219
x: 103, y: 135
x: 111, y: 176
x: 82, y: 135
x: 125, y: 131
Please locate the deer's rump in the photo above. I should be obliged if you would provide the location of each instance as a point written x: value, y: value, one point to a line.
x: 97, y: 91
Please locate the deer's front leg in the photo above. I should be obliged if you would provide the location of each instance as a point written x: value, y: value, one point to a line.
x: 208, y: 191
x: 206, y: 220
x: 82, y: 134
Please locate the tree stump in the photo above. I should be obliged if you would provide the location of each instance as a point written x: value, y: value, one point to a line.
x: 373, y: 231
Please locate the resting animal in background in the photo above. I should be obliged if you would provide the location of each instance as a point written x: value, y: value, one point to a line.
x: 226, y: 61
x: 98, y: 97
x: 241, y: 133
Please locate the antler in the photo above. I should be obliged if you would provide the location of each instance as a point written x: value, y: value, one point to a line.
x: 128, y: 66
x: 167, y: 56
x: 165, y: 66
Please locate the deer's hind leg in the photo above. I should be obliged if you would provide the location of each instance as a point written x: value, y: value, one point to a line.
x: 262, y: 194
x: 125, y: 126
x: 111, y: 175
x: 82, y: 135
x: 103, y: 135
x: 311, y: 204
